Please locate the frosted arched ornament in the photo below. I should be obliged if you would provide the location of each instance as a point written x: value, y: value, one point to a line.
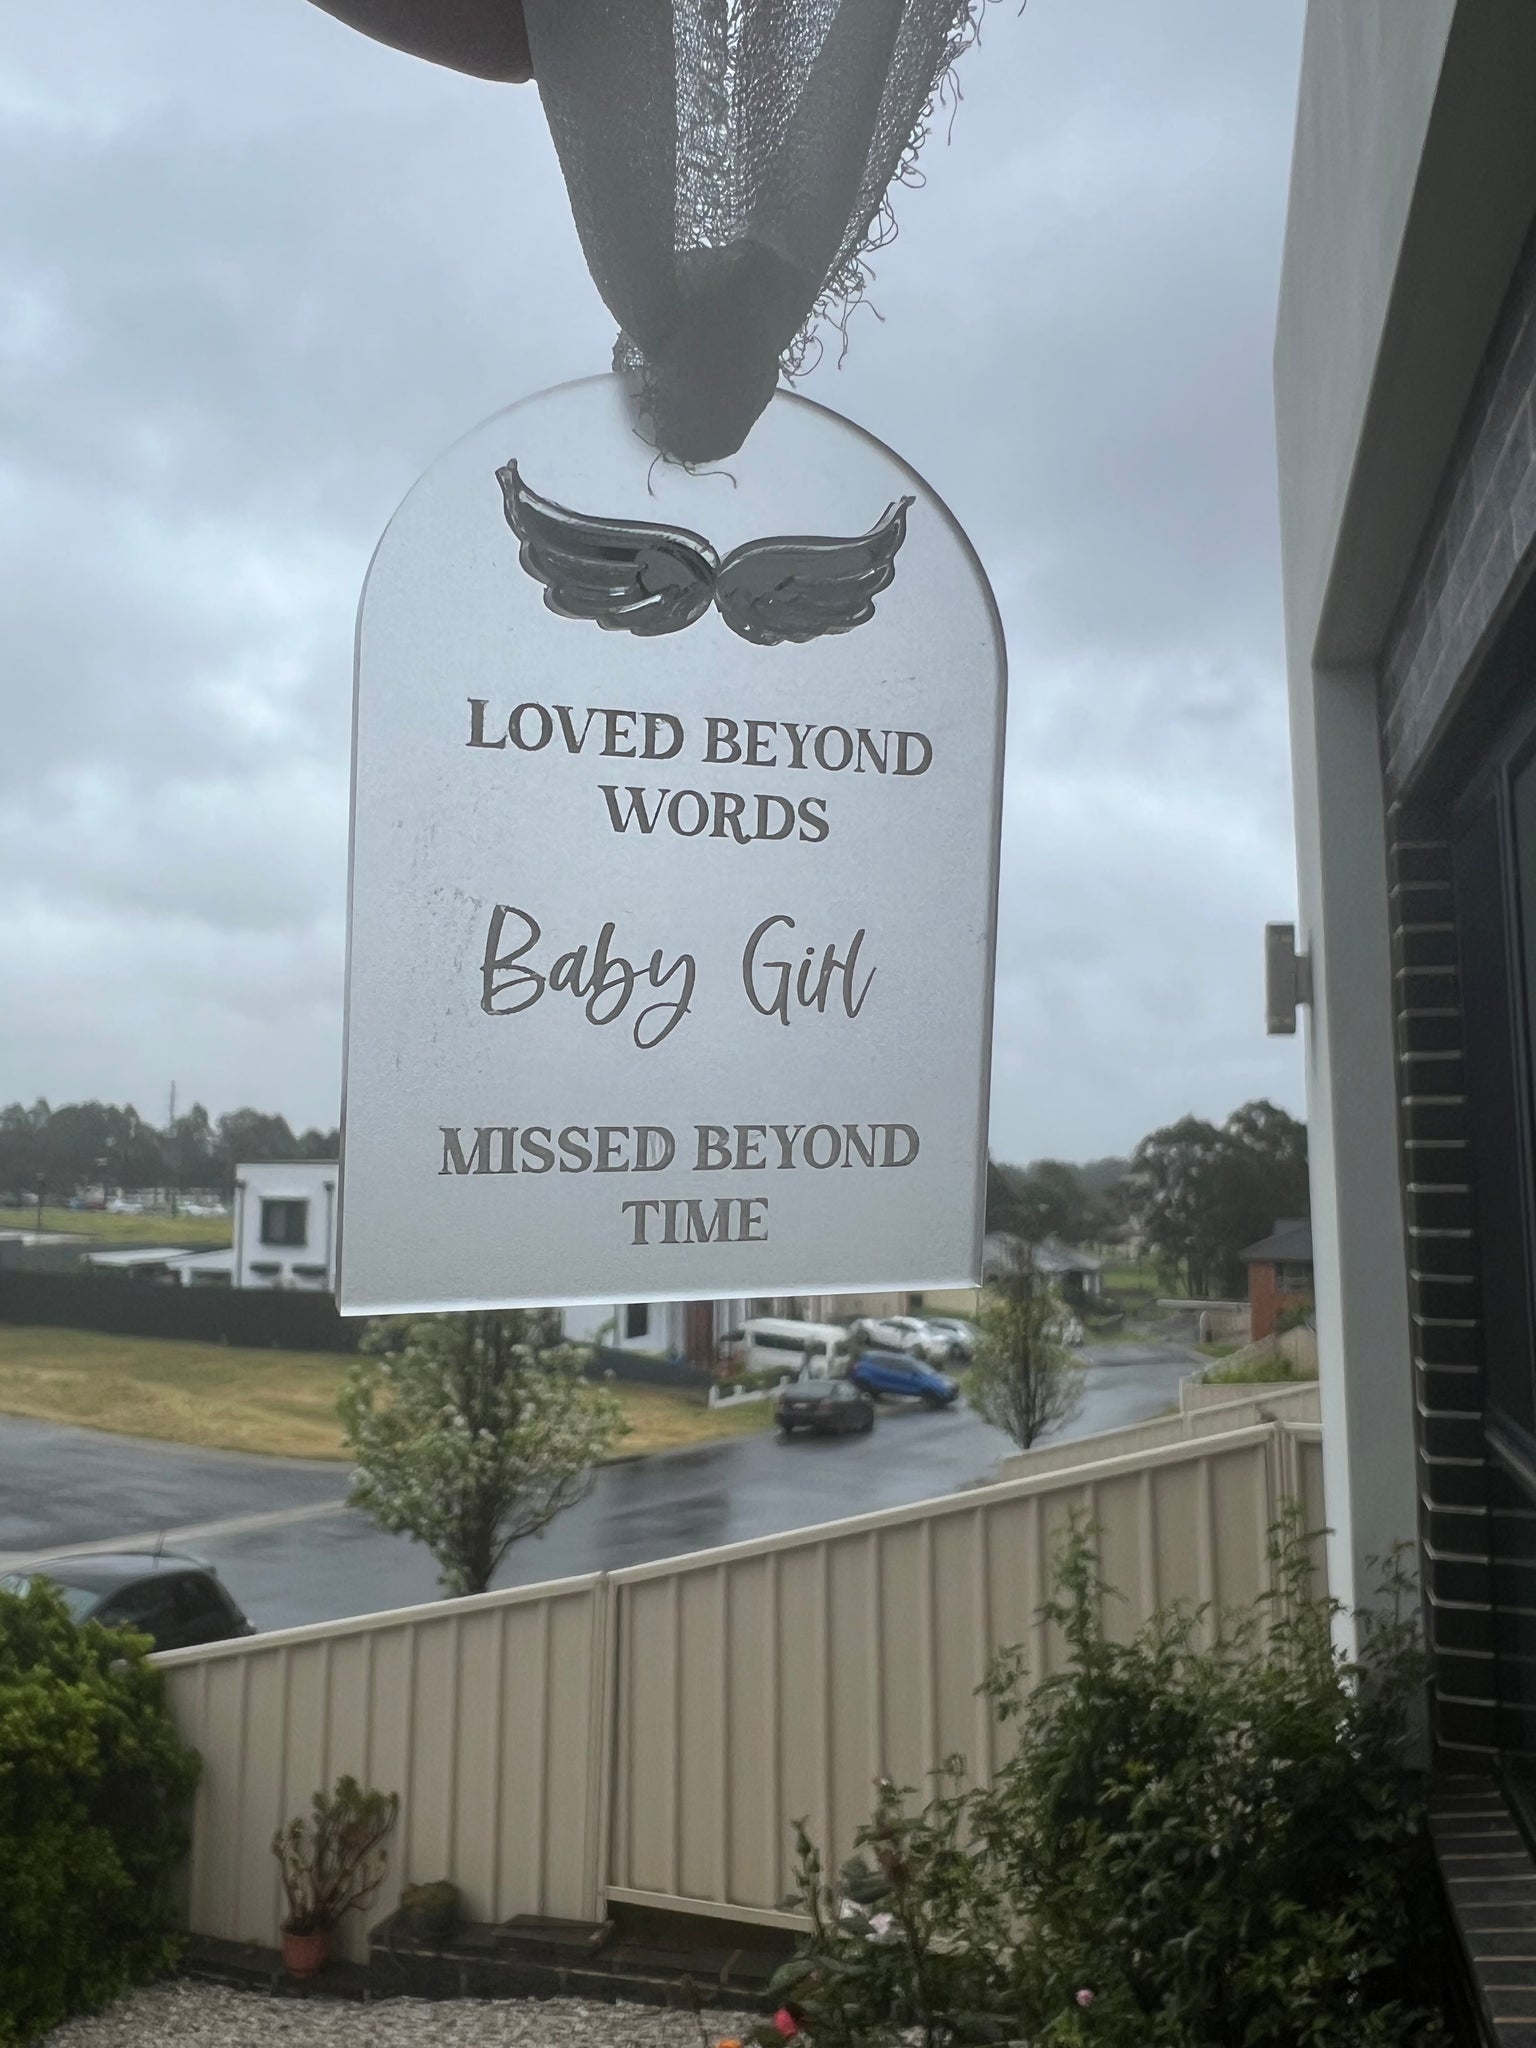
x: 674, y: 863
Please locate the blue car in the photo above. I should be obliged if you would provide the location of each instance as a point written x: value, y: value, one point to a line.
x: 897, y: 1372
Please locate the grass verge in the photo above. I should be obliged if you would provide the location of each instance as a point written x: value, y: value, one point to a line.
x: 1260, y: 1372
x: 273, y: 1403
x: 122, y: 1231
x: 1133, y: 1283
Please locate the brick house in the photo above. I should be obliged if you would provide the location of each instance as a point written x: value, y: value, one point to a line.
x: 1279, y: 1275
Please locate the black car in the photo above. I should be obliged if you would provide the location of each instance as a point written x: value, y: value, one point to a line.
x: 174, y: 1599
x: 831, y: 1407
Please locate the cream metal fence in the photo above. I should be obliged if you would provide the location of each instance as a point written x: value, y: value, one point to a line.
x: 645, y: 1736
x: 1226, y: 1324
x: 1295, y: 1350
x: 488, y: 1716
x: 1203, y: 1411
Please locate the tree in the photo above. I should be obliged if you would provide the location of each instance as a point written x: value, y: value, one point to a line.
x: 1206, y: 1193
x: 249, y: 1134
x: 190, y: 1150
x: 1053, y: 1201
x: 1025, y: 1380
x: 1002, y: 1184
x: 23, y: 1147
x: 1045, y: 1199
x: 470, y: 1432
x: 1263, y: 1176
x: 1109, y: 1195
x: 57, y: 1151
x: 1176, y: 1171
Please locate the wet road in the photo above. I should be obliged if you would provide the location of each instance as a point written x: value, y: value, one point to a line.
x: 291, y: 1553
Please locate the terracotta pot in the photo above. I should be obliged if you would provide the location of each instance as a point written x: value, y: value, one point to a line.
x: 305, y: 1955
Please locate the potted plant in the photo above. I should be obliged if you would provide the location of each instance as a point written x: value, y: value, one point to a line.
x: 331, y: 1860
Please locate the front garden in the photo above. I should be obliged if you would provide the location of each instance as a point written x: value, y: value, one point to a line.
x: 1209, y: 1836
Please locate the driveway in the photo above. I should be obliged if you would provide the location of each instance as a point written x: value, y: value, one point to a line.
x: 291, y: 1553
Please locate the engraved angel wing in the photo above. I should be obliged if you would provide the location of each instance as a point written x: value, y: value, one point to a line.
x: 627, y: 575
x: 799, y: 587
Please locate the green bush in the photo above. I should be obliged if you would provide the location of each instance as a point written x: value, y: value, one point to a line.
x: 1273, y: 1371
x: 1299, y: 1315
x: 93, y: 1790
x: 1192, y: 1846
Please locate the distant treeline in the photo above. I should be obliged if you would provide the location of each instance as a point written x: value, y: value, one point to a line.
x: 1196, y: 1193
x: 55, y: 1152
x: 1050, y: 1198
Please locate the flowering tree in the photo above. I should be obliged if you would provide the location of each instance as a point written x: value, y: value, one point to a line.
x: 470, y: 1432
x: 1025, y: 1380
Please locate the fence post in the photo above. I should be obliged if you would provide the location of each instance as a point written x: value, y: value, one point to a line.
x: 600, y: 1762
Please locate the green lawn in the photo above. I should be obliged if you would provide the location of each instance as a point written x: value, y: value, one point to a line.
x: 1133, y: 1284
x: 279, y: 1403
x: 123, y: 1231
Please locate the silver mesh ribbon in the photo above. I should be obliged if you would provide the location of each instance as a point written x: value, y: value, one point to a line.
x: 728, y: 163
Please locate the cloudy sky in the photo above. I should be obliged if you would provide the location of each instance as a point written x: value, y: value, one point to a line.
x: 255, y: 272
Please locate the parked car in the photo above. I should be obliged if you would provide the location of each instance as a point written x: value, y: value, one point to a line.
x: 764, y: 1342
x: 175, y: 1600
x: 957, y: 1335
x: 892, y: 1333
x: 892, y: 1372
x: 825, y: 1407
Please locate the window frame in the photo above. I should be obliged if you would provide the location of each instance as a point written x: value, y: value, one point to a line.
x: 288, y: 1204
x: 1487, y: 799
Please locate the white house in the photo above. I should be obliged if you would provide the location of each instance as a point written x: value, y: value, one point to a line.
x: 688, y: 1329
x: 664, y: 1329
x: 285, y: 1225
x: 284, y: 1231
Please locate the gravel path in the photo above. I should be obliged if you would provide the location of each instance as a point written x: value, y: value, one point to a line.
x: 207, y: 2016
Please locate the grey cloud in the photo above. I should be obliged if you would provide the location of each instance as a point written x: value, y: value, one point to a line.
x: 260, y: 272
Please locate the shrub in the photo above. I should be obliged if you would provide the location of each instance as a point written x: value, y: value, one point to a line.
x: 1025, y: 1380
x: 1193, y: 1846
x: 1271, y: 1371
x: 332, y: 1860
x: 93, y: 1789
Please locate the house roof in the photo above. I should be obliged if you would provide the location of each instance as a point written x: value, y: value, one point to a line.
x: 141, y: 1255
x: 1290, y: 1241
x: 1051, y: 1257
x: 1047, y: 1257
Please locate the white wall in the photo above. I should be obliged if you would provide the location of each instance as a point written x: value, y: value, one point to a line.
x: 1410, y: 193
x: 666, y: 1327
x: 607, y: 1323
x: 1370, y: 71
x: 310, y: 1265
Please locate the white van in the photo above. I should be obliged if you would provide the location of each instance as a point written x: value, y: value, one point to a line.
x: 766, y: 1343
